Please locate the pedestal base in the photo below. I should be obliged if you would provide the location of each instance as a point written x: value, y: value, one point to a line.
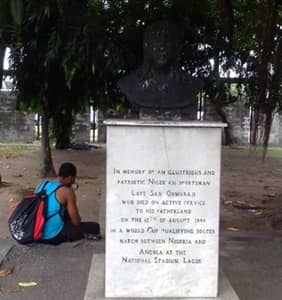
x: 96, y: 284
x: 163, y: 201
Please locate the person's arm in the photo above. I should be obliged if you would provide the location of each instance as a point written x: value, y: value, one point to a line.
x: 67, y: 197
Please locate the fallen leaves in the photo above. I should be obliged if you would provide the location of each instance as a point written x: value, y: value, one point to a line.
x: 13, y: 205
x: 232, y: 229
x: 22, y: 284
x: 6, y: 272
x: 13, y: 202
x: 28, y: 284
x: 246, y: 205
x: 257, y: 210
x: 10, y: 290
x: 12, y: 199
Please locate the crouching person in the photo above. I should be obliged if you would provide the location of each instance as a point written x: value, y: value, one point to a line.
x: 63, y: 220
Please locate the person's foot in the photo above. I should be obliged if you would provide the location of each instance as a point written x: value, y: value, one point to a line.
x: 92, y: 237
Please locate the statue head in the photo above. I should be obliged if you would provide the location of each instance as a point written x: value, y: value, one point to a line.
x: 161, y: 44
x: 160, y: 84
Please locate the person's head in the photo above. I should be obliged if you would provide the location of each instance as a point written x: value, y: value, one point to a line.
x: 161, y: 44
x: 67, y: 173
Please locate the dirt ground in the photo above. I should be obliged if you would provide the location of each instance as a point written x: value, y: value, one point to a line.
x: 21, y: 175
x: 251, y: 193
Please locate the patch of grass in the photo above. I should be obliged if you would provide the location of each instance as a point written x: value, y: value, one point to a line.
x: 272, y: 152
x: 16, y: 149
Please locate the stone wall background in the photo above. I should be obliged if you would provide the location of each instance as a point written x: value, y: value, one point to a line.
x: 81, y: 128
x: 15, y: 126
x: 239, y: 117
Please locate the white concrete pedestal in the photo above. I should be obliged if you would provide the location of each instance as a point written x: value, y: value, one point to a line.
x: 162, y: 209
x: 95, y: 289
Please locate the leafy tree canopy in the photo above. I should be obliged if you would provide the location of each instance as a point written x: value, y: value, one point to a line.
x: 69, y: 53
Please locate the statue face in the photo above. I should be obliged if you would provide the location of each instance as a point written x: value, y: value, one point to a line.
x: 160, y: 52
x: 160, y: 47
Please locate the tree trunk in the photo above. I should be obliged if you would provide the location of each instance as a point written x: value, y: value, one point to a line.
x: 227, y: 16
x: 227, y: 130
x: 2, y: 56
x: 219, y: 107
x: 267, y: 129
x: 274, y: 92
x: 271, y: 13
x: 47, y: 167
x: 62, y: 129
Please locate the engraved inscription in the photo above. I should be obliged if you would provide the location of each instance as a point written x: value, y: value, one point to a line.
x: 162, y: 208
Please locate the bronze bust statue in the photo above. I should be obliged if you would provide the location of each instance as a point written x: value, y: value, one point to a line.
x: 160, y: 83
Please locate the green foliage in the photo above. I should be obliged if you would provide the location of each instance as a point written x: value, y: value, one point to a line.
x: 47, y: 75
x: 73, y: 52
x: 17, y: 10
x: 67, y: 54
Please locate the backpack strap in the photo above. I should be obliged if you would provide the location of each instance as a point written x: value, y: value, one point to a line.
x: 54, y: 214
x: 44, y: 185
x: 48, y: 194
x: 41, y: 187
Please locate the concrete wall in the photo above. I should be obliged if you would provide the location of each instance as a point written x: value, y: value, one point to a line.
x: 81, y: 129
x: 276, y: 131
x: 15, y: 126
x: 239, y: 118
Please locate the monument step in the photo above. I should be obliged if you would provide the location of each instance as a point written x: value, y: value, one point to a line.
x: 96, y: 284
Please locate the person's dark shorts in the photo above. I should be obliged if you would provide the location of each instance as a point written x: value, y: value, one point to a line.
x: 70, y: 233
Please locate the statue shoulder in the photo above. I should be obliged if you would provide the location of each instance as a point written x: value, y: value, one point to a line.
x: 127, y: 81
x: 130, y: 81
x: 196, y: 82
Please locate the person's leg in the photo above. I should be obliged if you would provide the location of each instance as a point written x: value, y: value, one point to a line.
x: 84, y: 228
x: 70, y: 233
x: 90, y: 227
x: 54, y: 241
x: 91, y: 230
